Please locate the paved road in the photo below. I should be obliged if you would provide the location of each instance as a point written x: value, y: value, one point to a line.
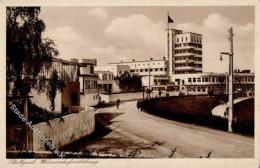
x: 131, y: 129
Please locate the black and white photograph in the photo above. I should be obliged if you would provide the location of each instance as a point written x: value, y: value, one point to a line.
x: 130, y: 82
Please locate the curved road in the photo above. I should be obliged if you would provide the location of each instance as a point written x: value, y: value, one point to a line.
x: 157, y: 137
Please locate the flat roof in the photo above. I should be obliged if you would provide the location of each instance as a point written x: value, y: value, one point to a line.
x: 190, y: 33
x: 138, y: 61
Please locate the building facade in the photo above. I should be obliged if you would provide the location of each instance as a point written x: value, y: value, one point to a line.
x: 106, y: 82
x: 217, y: 83
x: 184, y: 52
x: 89, y: 95
x: 155, y: 66
x: 116, y: 69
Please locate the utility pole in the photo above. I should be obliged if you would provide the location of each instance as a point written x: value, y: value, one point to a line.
x: 149, y: 85
x: 230, y: 98
x: 230, y: 82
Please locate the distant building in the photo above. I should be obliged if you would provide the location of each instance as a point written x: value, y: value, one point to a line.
x: 117, y: 70
x: 217, y: 83
x: 155, y: 66
x: 106, y: 82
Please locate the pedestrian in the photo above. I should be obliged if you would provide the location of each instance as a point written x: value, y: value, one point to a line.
x: 138, y: 104
x: 117, y: 103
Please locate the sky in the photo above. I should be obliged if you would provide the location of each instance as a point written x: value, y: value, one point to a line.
x: 112, y: 34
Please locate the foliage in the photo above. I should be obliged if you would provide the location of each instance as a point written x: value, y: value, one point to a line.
x: 129, y: 82
x: 27, y: 51
x: 54, y: 84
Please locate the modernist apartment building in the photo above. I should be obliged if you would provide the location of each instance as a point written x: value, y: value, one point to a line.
x: 69, y: 95
x: 67, y: 70
x: 203, y: 83
x: 155, y: 66
x: 89, y: 95
x: 106, y: 82
x: 80, y: 84
x: 184, y: 52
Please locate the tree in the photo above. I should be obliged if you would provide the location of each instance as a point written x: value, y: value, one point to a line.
x: 27, y: 51
x: 128, y: 82
x: 54, y: 84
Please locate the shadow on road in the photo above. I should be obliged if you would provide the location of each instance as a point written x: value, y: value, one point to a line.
x: 106, y: 117
x: 116, y: 144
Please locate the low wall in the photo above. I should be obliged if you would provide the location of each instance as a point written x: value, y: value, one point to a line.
x: 108, y: 98
x: 72, y: 128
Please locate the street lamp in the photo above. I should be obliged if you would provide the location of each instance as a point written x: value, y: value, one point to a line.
x: 230, y: 94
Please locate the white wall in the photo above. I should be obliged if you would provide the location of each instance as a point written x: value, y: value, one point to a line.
x: 87, y: 100
x: 41, y: 100
x: 74, y: 127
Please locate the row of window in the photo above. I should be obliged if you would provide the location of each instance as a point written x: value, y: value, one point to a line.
x: 90, y: 84
x: 198, y: 89
x: 189, y: 44
x: 107, y: 77
x: 190, y: 65
x: 145, y: 64
x: 147, y: 70
x: 193, y: 39
x: 188, y: 58
x: 187, y: 71
x: 188, y: 51
x: 220, y: 79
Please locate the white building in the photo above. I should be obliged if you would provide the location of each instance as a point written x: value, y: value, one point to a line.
x: 184, y: 52
x: 106, y: 82
x: 203, y: 83
x: 117, y: 70
x: 156, y: 66
x: 89, y: 95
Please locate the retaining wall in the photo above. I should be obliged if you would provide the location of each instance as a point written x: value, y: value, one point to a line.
x: 63, y: 132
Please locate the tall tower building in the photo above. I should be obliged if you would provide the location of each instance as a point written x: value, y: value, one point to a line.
x: 184, y: 52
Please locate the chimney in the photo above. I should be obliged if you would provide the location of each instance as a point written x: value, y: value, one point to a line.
x: 133, y: 60
x: 151, y: 59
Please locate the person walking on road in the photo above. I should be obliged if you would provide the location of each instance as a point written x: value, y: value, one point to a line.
x: 117, y: 103
x: 138, y: 104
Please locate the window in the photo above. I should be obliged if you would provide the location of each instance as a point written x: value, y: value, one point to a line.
x: 199, y: 79
x: 156, y: 69
x: 146, y: 70
x: 189, y: 79
x: 206, y: 79
x: 198, y: 89
x: 194, y: 79
x: 91, y: 69
x: 161, y: 69
x: 203, y: 89
x: 141, y: 70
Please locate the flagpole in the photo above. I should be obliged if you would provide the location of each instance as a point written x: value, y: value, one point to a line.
x: 168, y: 54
